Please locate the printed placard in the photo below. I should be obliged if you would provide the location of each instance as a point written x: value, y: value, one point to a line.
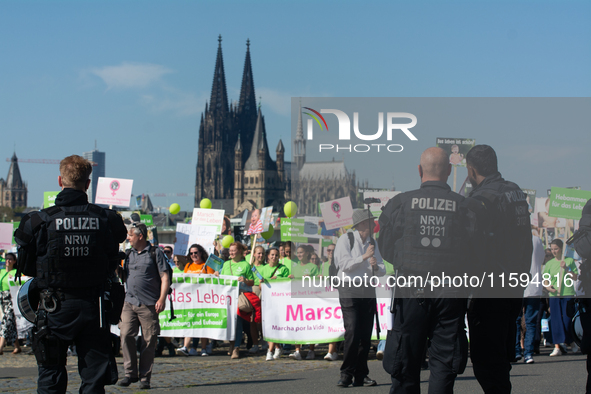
x: 208, y: 217
x: 114, y: 191
x: 6, y: 230
x: 456, y: 148
x: 293, y: 230
x: 148, y: 220
x: 189, y: 234
x: 215, y: 263
x: 567, y: 203
x: 337, y: 213
x: 49, y: 199
x: 204, y: 305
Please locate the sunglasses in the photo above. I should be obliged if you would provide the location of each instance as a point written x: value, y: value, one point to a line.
x: 194, y: 253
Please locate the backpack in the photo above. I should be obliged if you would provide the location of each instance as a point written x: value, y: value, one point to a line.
x: 168, y: 271
x: 581, y: 239
x: 333, y: 270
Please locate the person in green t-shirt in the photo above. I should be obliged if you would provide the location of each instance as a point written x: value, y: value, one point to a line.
x: 560, y: 273
x: 304, y: 267
x: 8, y: 333
x: 298, y: 271
x: 289, y: 258
x: 237, y: 266
x: 273, y: 270
x: 257, y: 328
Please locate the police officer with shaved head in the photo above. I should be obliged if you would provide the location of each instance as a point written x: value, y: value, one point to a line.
x: 71, y: 250
x: 508, y: 250
x: 426, y: 232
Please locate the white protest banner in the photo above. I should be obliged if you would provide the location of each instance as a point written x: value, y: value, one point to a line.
x: 114, y: 191
x: 208, y: 217
x: 317, y: 318
x: 6, y: 230
x: 204, y: 305
x: 384, y: 197
x: 337, y: 213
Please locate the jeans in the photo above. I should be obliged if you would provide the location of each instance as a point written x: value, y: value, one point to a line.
x: 531, y: 307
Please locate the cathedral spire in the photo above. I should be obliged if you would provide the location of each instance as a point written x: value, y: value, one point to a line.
x: 219, y: 94
x: 247, y: 103
x: 259, y: 143
x: 14, y: 180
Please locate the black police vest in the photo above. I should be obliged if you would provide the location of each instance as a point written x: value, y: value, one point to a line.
x: 436, y: 228
x: 510, y: 244
x: 74, y: 253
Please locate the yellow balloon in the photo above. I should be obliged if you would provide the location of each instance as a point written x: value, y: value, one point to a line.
x: 205, y: 203
x: 290, y: 208
x: 269, y: 233
x: 174, y: 208
x: 227, y: 241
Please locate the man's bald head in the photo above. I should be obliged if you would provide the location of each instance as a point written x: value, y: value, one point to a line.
x: 434, y: 165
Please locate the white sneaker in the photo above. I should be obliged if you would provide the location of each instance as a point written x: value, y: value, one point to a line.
x: 311, y: 355
x: 574, y: 348
x: 254, y: 349
x: 295, y: 356
x: 269, y: 356
x: 204, y: 353
x: 331, y: 356
x: 277, y: 353
x: 556, y: 352
x: 182, y: 351
x: 193, y: 352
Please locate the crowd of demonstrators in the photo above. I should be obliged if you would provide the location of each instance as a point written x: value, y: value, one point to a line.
x: 8, y: 332
x: 146, y: 270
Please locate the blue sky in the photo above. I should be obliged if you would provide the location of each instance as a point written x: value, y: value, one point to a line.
x: 135, y: 75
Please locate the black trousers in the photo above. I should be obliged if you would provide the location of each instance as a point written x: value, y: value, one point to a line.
x: 415, y: 320
x: 358, y: 319
x: 493, y: 318
x: 77, y: 321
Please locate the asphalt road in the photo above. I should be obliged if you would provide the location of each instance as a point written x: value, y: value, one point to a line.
x: 252, y: 374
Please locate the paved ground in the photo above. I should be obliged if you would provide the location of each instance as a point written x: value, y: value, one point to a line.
x: 252, y: 374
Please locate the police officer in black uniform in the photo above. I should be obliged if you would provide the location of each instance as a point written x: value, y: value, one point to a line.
x: 71, y: 249
x: 508, y: 250
x: 430, y: 230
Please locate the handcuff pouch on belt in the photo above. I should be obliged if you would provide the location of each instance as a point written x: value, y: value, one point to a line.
x: 46, y: 346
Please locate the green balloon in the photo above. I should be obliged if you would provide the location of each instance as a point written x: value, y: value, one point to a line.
x: 269, y: 233
x: 290, y: 208
x: 205, y: 203
x: 174, y: 208
x: 227, y: 241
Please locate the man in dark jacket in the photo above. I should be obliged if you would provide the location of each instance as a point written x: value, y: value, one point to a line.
x: 508, y: 251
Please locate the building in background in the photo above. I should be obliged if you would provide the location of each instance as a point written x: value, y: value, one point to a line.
x: 98, y: 170
x: 13, y: 191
